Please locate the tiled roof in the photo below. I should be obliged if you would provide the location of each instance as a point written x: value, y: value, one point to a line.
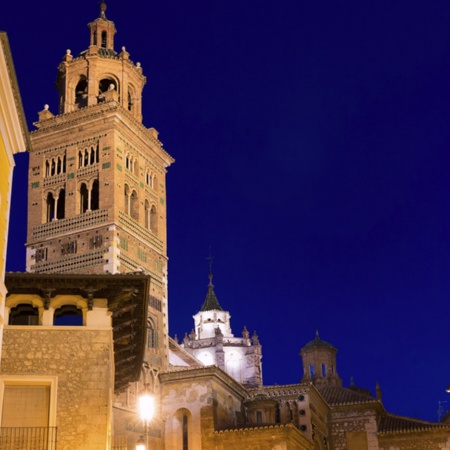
x: 337, y: 395
x: 318, y: 343
x: 254, y: 428
x: 390, y: 423
x: 211, y: 303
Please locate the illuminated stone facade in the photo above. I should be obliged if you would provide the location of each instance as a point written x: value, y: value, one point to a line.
x: 213, y: 343
x: 97, y: 210
x: 97, y: 189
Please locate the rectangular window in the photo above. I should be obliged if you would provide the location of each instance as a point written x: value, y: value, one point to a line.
x: 26, y: 406
x: 28, y: 399
x: 324, y: 370
x: 311, y: 370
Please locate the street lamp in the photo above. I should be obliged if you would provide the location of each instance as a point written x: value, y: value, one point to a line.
x: 140, y: 444
x: 146, y: 404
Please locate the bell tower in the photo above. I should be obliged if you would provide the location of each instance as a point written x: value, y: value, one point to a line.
x: 97, y: 178
x: 87, y: 79
x: 319, y: 363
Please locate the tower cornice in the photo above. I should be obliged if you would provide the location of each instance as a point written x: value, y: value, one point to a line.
x: 78, y: 117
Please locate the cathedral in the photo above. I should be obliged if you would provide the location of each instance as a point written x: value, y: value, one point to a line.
x: 85, y: 329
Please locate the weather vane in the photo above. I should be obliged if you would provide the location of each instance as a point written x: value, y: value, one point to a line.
x: 210, y: 258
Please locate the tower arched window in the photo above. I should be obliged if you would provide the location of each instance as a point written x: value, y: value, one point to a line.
x: 104, y: 85
x: 89, y: 197
x: 134, y: 205
x: 50, y: 202
x: 53, y: 169
x: 147, y: 214
x: 81, y: 92
x: 153, y: 219
x: 86, y: 158
x: 127, y: 199
x: 130, y: 101
x: 93, y: 161
x: 95, y: 196
x: 83, y: 198
x: 59, y: 166
x: 47, y: 168
x: 61, y: 204
x: 80, y: 159
x: 104, y: 38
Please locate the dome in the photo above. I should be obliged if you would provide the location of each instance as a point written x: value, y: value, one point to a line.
x: 318, y: 343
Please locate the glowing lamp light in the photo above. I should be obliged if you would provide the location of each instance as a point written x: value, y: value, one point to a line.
x: 146, y: 408
x: 448, y: 389
x: 140, y: 444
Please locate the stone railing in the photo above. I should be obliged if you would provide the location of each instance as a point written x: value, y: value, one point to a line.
x: 54, y: 179
x: 75, y: 223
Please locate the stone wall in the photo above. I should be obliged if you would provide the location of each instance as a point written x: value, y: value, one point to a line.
x: 428, y: 440
x: 279, y: 437
x: 82, y: 361
x: 349, y: 426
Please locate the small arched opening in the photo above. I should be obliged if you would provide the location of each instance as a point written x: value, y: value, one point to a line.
x: 61, y: 204
x: 50, y: 201
x: 104, y: 85
x: 130, y: 102
x: 127, y: 199
x: 93, y: 156
x: 134, y: 205
x: 153, y: 220
x: 24, y: 314
x: 147, y: 214
x: 68, y: 315
x: 181, y: 430
x: 104, y: 39
x: 81, y: 94
x: 95, y: 196
x: 84, y: 195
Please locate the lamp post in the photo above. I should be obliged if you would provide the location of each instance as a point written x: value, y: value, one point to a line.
x: 146, y: 404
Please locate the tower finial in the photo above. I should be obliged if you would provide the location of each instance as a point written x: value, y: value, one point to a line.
x: 210, y: 258
x: 378, y: 392
x: 317, y: 335
x: 102, y: 9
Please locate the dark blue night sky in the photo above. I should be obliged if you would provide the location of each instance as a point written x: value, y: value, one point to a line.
x: 312, y: 147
